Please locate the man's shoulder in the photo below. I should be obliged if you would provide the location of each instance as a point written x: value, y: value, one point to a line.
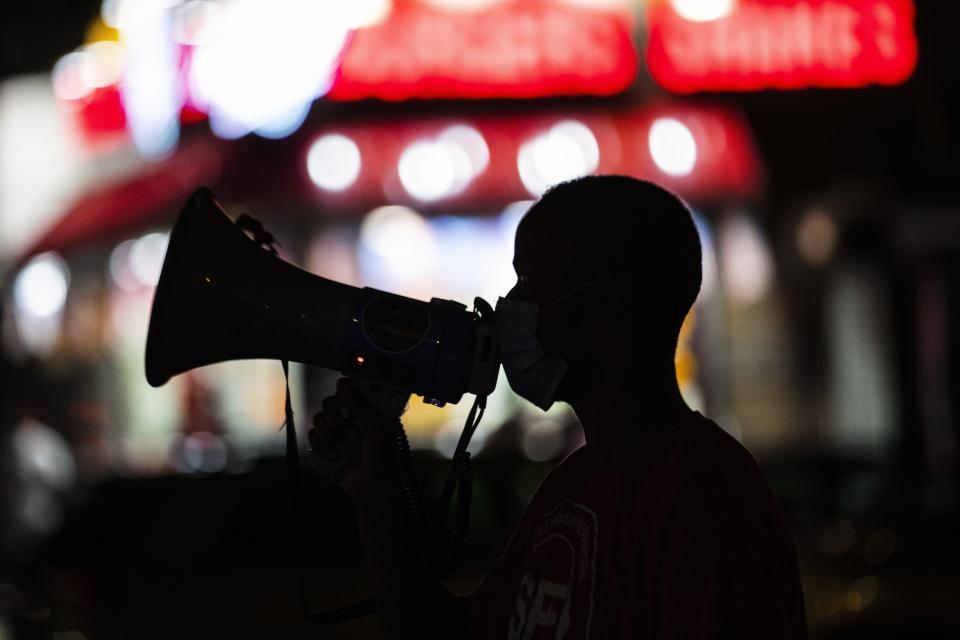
x: 566, y: 474
x: 717, y: 478
x: 707, y: 451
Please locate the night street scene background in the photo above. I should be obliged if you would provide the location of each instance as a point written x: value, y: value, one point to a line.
x: 396, y: 144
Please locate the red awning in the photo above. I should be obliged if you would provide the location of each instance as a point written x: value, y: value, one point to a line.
x: 133, y: 202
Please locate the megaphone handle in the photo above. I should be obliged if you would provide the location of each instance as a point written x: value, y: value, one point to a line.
x: 392, y: 401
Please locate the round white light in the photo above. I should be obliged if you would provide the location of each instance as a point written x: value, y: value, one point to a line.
x: 40, y: 289
x: 44, y: 454
x: 283, y: 124
x: 260, y: 63
x: 192, y: 21
x: 473, y: 145
x: 74, y: 75
x: 443, y: 166
x: 146, y: 258
x: 364, y: 13
x: 333, y: 162
x: 703, y: 10
x: 395, y: 232
x: 106, y: 58
x: 119, y: 267
x: 544, y: 440
x: 745, y: 259
x: 398, y: 245
x: 567, y: 151
x: 428, y: 170
x: 672, y: 146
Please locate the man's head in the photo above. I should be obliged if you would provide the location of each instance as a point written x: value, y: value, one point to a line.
x: 637, y: 235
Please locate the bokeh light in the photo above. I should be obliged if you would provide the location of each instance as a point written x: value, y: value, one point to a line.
x: 146, y: 257
x: 360, y: 14
x: 334, y: 162
x: 474, y: 148
x: 40, y: 289
x: 433, y: 169
x: 397, y: 247
x: 745, y: 259
x: 149, y: 87
x: 262, y: 64
x: 703, y: 10
x: 192, y: 21
x: 817, y: 236
x: 544, y: 439
x: 428, y: 171
x: 106, y: 63
x: 672, y: 147
x: 567, y: 150
x: 73, y: 76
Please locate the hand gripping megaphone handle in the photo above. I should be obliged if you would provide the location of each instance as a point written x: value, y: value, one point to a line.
x: 391, y: 401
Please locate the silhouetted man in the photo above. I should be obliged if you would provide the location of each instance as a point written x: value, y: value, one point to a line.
x: 662, y: 525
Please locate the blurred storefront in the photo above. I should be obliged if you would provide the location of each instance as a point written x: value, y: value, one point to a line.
x: 439, y: 124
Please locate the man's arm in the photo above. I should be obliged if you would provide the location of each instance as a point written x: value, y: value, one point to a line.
x: 410, y: 602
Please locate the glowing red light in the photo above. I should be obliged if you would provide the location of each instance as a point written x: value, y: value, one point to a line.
x: 361, y: 360
x: 102, y: 119
x: 515, y: 50
x: 784, y: 44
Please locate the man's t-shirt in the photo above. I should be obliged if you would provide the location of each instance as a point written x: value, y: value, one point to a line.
x: 686, y: 541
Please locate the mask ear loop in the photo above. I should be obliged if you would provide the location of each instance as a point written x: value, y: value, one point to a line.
x: 577, y: 290
x: 596, y: 327
x: 345, y: 613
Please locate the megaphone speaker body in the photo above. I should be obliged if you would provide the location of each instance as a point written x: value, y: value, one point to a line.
x: 222, y: 296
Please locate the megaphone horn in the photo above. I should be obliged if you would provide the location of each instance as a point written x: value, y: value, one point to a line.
x: 221, y: 296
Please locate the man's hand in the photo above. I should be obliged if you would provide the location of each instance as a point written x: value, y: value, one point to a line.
x: 410, y: 603
x: 346, y: 420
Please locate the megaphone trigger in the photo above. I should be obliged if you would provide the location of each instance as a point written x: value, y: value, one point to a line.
x: 390, y: 401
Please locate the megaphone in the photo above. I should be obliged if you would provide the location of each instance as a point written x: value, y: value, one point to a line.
x: 224, y: 294
x: 221, y: 296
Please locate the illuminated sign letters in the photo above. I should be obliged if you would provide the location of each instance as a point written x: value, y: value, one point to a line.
x: 783, y: 44
x: 512, y: 51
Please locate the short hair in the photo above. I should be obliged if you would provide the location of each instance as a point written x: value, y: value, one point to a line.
x: 635, y: 228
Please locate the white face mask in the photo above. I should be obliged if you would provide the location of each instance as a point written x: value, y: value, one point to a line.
x: 532, y: 374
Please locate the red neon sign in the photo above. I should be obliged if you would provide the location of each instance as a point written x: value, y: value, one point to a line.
x: 784, y: 44
x: 520, y: 50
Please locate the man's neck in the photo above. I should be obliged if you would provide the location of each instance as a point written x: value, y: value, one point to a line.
x: 626, y: 416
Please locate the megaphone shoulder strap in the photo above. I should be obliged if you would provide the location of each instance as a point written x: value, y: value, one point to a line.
x: 351, y: 611
x: 337, y: 615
